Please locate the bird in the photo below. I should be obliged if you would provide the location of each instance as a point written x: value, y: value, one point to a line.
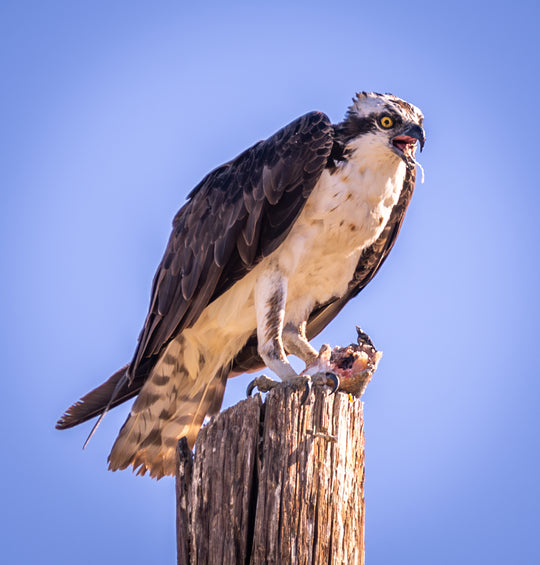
x: 267, y: 249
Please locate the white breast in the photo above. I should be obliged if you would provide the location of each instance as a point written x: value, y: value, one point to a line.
x: 345, y: 213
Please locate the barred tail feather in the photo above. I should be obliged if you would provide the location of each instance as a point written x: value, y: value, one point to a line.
x: 183, y: 388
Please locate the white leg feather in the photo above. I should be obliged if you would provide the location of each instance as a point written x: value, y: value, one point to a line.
x: 270, y: 300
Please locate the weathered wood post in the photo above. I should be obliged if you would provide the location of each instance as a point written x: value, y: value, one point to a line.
x: 275, y: 482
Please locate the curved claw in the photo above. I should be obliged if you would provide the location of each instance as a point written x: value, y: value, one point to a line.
x: 335, y: 381
x: 263, y: 383
x: 307, y: 391
x: 251, y: 387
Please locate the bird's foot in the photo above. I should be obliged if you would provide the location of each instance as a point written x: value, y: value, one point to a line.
x: 348, y: 369
x: 321, y: 379
x: 263, y: 383
x: 301, y: 382
x: 326, y: 378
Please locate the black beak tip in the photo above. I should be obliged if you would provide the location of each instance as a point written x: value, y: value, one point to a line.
x: 422, y: 138
x: 418, y: 133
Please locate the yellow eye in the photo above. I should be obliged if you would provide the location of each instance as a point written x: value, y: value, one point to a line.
x: 386, y: 122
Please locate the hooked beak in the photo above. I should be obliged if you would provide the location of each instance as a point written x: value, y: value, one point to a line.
x: 405, y: 143
x: 411, y: 134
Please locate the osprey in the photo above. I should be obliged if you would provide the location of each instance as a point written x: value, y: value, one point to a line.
x: 267, y: 250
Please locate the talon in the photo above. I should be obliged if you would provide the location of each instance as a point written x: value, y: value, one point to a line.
x: 251, y: 387
x: 263, y: 383
x: 335, y: 381
x: 327, y: 378
x: 307, y: 391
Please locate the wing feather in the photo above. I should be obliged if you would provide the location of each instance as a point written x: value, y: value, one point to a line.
x: 239, y: 213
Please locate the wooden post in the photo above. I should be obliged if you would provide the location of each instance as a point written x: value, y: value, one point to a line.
x: 279, y: 482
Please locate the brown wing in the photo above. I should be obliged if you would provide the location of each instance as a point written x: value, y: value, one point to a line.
x: 248, y: 358
x: 369, y: 264
x: 237, y: 215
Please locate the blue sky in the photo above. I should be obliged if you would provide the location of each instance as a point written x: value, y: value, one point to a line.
x: 113, y: 111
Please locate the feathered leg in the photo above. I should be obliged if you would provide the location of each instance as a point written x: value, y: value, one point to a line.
x: 270, y: 300
x: 296, y: 343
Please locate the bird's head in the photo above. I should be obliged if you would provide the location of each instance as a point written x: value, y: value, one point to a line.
x: 390, y: 125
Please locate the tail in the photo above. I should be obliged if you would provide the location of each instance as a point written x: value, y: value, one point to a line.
x: 184, y: 386
x: 96, y: 401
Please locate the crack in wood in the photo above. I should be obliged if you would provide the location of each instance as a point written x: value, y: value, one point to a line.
x: 279, y: 482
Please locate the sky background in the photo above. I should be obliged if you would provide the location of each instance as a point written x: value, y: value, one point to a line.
x: 113, y: 111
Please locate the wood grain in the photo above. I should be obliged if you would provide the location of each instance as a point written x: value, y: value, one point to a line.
x: 278, y: 482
